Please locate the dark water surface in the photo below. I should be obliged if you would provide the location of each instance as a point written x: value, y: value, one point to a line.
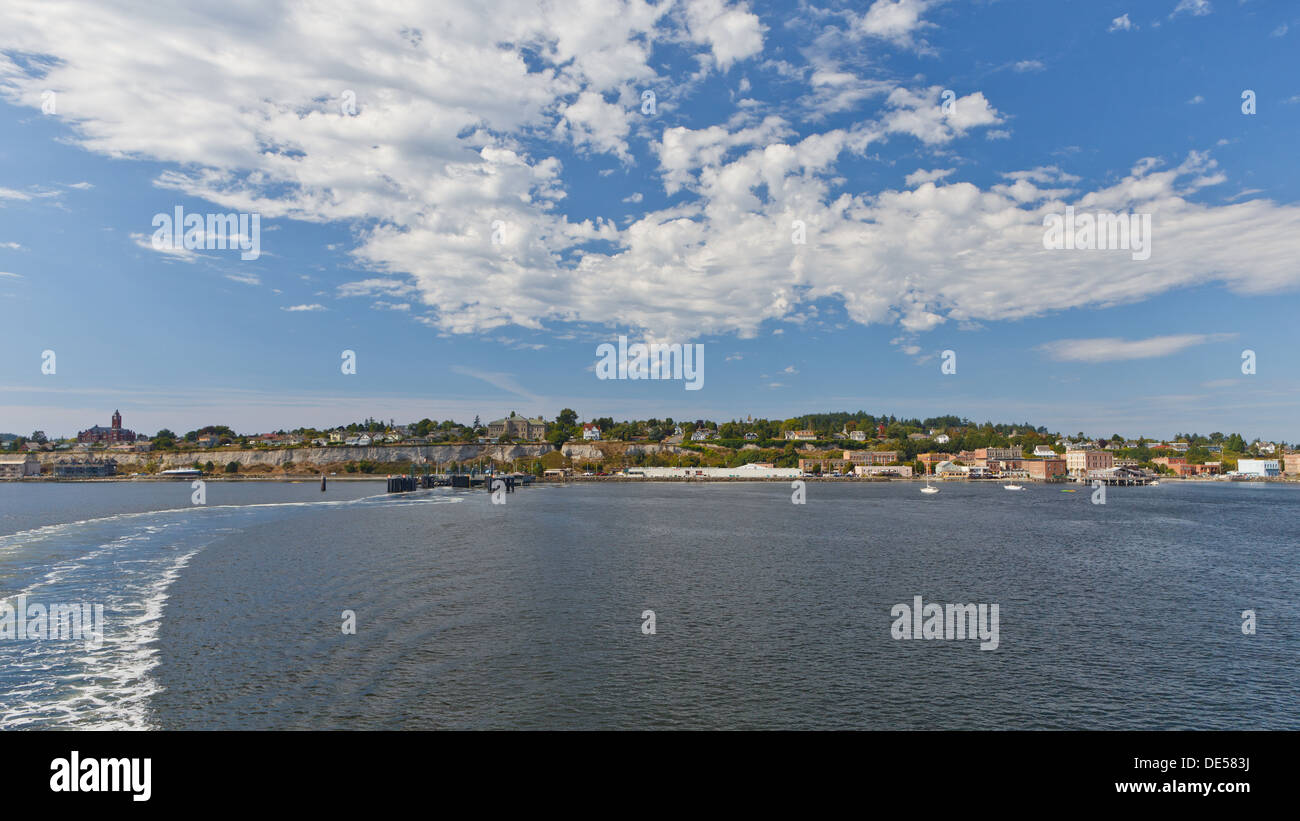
x: 768, y: 615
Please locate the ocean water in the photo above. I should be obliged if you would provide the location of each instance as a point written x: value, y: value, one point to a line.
x: 767, y: 614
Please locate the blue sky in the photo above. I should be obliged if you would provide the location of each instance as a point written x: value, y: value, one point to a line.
x: 923, y: 223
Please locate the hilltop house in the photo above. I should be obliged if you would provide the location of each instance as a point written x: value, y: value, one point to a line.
x: 518, y: 427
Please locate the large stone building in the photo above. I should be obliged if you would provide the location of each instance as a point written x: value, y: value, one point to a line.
x: 986, y: 455
x: 871, y: 457
x: 110, y: 435
x: 1081, y: 462
x: 518, y: 427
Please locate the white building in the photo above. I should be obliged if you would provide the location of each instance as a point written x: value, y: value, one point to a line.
x: 590, y: 432
x: 1258, y: 467
x: 904, y: 471
x: 943, y: 439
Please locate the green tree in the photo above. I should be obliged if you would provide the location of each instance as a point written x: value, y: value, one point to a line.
x: 557, y: 436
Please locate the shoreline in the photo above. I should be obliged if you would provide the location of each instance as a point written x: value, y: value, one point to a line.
x: 310, y: 478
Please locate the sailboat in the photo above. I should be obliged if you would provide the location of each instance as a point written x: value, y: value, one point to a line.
x: 1012, y: 486
x: 928, y: 488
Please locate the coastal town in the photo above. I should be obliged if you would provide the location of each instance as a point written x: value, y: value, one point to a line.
x: 832, y: 446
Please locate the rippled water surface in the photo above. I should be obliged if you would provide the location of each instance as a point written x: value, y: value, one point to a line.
x: 768, y: 614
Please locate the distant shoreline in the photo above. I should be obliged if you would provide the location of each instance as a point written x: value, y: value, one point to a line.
x: 315, y: 479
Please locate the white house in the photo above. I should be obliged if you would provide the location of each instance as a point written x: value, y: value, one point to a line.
x: 1044, y: 450
x: 943, y: 439
x: 590, y: 432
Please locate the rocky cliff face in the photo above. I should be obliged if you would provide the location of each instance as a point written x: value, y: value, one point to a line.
x: 322, y: 456
x: 596, y: 451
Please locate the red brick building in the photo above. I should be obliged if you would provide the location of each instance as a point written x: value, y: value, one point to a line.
x: 1045, y: 470
x: 110, y: 435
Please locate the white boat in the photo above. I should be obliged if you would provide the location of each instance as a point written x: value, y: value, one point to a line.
x: 1013, y: 487
x: 927, y: 488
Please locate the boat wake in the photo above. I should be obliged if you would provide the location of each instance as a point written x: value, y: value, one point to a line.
x: 126, y: 563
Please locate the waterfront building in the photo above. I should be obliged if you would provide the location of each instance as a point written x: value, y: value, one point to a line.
x: 1292, y: 463
x: 749, y: 471
x: 1081, y: 462
x: 1258, y: 467
x: 932, y: 459
x: 17, y: 466
x: 825, y: 466
x: 904, y: 471
x: 987, y: 455
x: 1007, y: 467
x: 72, y: 468
x: 871, y: 457
x: 111, y: 435
x: 1046, y: 470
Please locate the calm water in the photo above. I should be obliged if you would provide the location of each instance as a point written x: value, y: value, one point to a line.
x: 768, y: 614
